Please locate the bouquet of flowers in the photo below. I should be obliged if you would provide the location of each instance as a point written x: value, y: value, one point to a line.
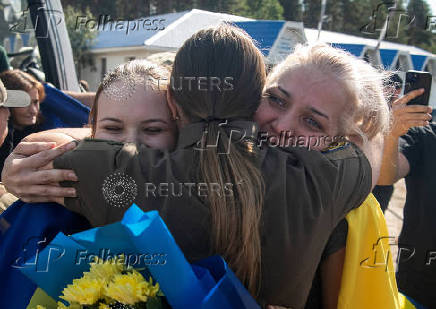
x: 99, y: 264
x: 110, y: 285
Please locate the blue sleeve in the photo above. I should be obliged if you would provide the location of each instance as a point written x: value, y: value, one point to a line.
x: 25, y: 229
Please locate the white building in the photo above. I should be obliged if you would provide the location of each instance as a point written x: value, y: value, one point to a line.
x: 113, y: 47
x: 276, y: 39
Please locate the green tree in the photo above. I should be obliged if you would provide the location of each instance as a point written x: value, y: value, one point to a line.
x: 417, y: 33
x: 292, y: 10
x: 335, y: 16
x: 261, y: 9
x: 311, y: 13
x: 354, y: 16
x: 183, y: 5
x: 81, y: 39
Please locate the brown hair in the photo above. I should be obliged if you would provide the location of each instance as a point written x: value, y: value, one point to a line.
x: 134, y: 73
x: 19, y: 80
x: 222, y: 52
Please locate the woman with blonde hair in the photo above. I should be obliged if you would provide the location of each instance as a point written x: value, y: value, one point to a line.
x: 318, y: 94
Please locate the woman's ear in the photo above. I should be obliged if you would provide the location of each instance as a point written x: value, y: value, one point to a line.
x: 172, y: 105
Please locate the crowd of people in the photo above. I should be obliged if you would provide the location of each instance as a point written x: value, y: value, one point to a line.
x: 289, y: 227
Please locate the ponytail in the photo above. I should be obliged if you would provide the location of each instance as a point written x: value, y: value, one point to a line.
x: 224, y: 54
x: 236, y: 216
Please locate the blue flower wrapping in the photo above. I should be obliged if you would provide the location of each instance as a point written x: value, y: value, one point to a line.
x: 145, y: 241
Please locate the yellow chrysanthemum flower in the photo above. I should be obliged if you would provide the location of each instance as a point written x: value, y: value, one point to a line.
x: 85, y: 291
x: 40, y: 307
x: 104, y: 270
x: 130, y: 288
x: 103, y: 306
x: 150, y: 289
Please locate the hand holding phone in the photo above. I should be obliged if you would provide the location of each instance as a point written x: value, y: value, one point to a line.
x: 417, y: 80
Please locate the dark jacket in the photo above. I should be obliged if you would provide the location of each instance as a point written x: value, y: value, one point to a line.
x: 307, y: 194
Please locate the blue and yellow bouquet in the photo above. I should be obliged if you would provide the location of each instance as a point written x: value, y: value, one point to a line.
x: 108, y: 284
x: 134, y: 263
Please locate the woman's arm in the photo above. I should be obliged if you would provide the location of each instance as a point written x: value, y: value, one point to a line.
x: 331, y: 278
x: 404, y: 117
x: 87, y: 98
x: 394, y: 164
x: 59, y: 136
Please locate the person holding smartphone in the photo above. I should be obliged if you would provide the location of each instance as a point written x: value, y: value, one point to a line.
x: 412, y: 157
x: 393, y: 88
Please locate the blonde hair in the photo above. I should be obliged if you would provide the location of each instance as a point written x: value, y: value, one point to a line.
x: 133, y: 73
x: 368, y: 112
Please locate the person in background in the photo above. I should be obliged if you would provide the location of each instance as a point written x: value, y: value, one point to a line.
x: 8, y: 99
x: 383, y: 194
x: 409, y: 153
x: 23, y: 120
x: 4, y: 61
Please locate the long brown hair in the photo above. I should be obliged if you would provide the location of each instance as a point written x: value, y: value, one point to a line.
x: 226, y: 53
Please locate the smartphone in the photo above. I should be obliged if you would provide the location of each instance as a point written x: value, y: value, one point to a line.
x: 417, y: 80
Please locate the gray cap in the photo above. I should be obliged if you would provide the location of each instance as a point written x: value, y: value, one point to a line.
x: 13, y: 98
